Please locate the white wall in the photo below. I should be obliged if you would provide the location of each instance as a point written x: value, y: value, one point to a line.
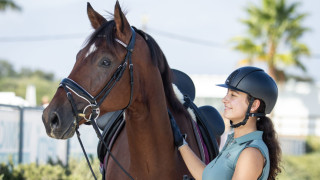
x: 297, y: 112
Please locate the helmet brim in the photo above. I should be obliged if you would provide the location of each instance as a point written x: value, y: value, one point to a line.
x: 230, y: 87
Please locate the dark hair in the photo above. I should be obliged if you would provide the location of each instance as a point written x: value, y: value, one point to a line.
x: 270, y: 138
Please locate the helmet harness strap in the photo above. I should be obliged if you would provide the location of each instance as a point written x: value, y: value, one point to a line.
x: 248, y: 114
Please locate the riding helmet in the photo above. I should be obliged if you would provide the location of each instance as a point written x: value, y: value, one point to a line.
x: 255, y: 82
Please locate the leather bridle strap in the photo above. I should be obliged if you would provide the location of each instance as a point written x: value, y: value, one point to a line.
x: 119, y: 72
x: 69, y: 84
x: 96, y: 101
x: 95, y: 127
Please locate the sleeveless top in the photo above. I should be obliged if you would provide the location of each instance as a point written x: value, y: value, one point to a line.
x: 223, y: 166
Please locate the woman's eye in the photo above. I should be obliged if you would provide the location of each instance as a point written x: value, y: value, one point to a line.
x: 106, y: 63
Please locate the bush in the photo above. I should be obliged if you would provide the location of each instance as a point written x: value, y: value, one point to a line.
x: 42, y: 172
x: 77, y: 170
x: 305, y: 167
x: 312, y: 144
x: 8, y: 171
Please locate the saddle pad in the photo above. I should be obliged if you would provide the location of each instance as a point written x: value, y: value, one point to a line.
x: 108, y: 134
x: 103, y: 120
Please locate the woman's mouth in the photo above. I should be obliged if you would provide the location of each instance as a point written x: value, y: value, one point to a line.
x: 226, y: 108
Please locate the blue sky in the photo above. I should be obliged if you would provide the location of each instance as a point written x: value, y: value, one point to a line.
x: 61, y: 27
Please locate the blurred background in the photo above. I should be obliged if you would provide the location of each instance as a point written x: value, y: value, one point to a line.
x: 207, y: 39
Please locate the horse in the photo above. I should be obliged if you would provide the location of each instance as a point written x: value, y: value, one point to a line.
x: 123, y: 68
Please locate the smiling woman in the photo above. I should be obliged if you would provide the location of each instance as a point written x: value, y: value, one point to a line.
x: 252, y: 151
x: 236, y: 99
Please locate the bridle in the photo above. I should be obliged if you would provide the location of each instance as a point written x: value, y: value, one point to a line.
x: 94, y: 102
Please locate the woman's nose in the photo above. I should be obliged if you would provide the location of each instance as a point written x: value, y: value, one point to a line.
x: 224, y: 99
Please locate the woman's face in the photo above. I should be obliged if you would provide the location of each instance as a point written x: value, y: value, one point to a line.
x: 235, y: 105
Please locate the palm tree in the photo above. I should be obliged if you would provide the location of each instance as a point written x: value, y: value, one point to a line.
x: 273, y: 33
x: 4, y: 4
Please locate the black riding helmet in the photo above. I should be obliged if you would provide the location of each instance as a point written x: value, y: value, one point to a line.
x: 256, y: 83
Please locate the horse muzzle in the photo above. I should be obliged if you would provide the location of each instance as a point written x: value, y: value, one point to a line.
x: 56, y: 127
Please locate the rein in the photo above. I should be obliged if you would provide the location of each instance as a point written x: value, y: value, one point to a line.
x: 95, y: 102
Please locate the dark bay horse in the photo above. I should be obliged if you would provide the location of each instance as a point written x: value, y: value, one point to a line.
x: 142, y: 87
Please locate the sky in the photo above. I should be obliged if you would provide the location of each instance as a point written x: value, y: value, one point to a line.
x: 194, y: 35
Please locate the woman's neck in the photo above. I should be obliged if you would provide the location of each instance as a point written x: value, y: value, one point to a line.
x: 249, y: 127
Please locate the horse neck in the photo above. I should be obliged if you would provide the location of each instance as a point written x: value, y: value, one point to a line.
x: 148, y: 127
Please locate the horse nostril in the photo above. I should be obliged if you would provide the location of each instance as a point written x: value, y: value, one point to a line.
x: 54, y: 120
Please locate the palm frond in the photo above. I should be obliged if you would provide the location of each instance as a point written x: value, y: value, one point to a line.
x: 5, y: 4
x: 272, y: 27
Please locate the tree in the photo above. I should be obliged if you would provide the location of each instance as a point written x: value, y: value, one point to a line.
x: 6, y: 69
x: 5, y: 4
x: 17, y: 81
x: 273, y: 33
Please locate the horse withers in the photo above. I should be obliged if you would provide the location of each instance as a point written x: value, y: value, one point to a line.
x: 121, y: 68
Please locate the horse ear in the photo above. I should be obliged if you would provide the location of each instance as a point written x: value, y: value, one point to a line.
x: 95, y: 18
x: 122, y: 24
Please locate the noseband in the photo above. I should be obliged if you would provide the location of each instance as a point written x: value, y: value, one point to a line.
x: 95, y: 102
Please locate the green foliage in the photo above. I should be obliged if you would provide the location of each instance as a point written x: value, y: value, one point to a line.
x: 19, y: 86
x: 273, y: 31
x: 17, y: 82
x: 304, y: 167
x: 312, y: 144
x: 41, y: 172
x: 6, y: 69
x: 6, y: 4
x: 8, y: 172
x: 77, y: 170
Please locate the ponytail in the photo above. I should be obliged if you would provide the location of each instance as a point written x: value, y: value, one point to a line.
x: 270, y: 138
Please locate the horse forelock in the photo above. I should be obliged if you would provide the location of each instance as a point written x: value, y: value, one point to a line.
x: 105, y: 33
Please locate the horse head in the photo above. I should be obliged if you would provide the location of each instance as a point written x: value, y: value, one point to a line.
x: 123, y: 68
x: 101, y: 79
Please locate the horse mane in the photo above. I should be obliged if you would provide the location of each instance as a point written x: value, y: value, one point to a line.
x: 158, y: 59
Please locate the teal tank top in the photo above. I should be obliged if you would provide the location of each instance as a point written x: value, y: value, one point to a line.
x: 223, y: 166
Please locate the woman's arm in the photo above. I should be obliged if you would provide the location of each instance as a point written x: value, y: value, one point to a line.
x: 194, y: 164
x: 249, y: 165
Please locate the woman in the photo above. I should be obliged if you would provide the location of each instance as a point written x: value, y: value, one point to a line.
x: 252, y: 151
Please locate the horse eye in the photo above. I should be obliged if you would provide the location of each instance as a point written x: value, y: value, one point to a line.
x: 106, y: 62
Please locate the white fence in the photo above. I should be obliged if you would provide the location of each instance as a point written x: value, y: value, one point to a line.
x: 23, y: 137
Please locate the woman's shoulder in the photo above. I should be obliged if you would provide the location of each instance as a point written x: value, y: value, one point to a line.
x: 250, y: 163
x: 251, y: 154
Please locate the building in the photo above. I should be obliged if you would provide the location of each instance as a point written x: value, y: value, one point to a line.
x: 10, y: 98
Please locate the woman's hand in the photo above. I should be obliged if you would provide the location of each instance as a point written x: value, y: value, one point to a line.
x: 178, y: 138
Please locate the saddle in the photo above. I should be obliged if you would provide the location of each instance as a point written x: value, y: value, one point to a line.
x: 208, y: 120
x: 208, y: 123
